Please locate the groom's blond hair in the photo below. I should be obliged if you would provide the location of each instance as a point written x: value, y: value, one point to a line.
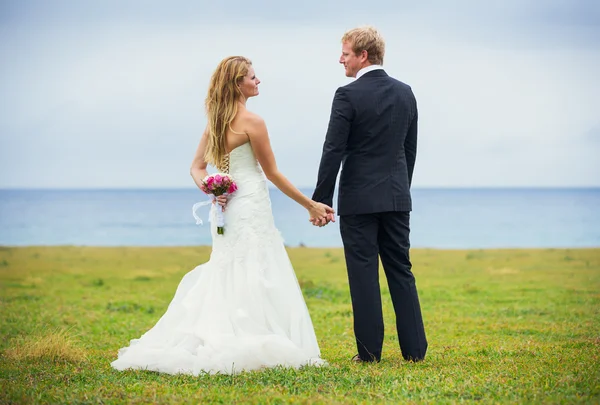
x: 366, y: 38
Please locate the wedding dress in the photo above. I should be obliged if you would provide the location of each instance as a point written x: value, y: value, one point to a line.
x: 241, y: 310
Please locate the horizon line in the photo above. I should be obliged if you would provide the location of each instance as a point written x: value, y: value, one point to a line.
x: 138, y: 188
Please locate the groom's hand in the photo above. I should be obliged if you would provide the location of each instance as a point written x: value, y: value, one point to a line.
x: 325, y: 217
x: 330, y: 217
x: 320, y: 222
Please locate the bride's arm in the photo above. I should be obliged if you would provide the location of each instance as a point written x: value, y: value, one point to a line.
x: 198, y: 169
x: 259, y: 139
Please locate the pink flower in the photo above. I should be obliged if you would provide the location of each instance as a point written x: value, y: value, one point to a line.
x: 217, y: 184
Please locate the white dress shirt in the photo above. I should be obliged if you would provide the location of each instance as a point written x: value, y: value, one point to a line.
x: 368, y: 69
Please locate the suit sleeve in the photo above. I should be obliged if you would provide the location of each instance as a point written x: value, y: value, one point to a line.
x: 410, y: 147
x: 333, y: 149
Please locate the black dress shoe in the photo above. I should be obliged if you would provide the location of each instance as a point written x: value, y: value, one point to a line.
x: 358, y: 359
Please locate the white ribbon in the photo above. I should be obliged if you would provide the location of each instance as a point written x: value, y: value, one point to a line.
x: 219, y: 212
x: 198, y: 205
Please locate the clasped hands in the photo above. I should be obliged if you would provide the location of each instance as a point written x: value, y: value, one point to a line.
x: 319, y: 214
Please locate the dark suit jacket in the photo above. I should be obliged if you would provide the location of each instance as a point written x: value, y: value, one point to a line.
x: 373, y: 134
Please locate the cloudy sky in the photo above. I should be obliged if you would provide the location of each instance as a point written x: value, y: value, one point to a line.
x: 109, y: 94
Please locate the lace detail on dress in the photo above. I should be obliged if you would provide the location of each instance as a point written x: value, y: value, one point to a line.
x: 248, y: 219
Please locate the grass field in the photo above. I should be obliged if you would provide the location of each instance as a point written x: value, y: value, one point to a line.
x: 512, y: 326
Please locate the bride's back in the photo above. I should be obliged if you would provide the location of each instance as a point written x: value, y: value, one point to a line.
x: 243, y: 165
x: 237, y: 134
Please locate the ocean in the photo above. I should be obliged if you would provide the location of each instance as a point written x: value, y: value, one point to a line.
x: 441, y: 218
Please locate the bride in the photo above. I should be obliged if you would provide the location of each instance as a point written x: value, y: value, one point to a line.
x: 243, y: 309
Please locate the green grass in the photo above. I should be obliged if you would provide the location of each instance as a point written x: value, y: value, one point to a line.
x: 511, y: 326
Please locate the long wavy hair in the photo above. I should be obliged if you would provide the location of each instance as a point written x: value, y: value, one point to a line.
x: 222, y: 104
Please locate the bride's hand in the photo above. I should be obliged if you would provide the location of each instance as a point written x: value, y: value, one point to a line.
x: 321, y: 214
x: 222, y: 201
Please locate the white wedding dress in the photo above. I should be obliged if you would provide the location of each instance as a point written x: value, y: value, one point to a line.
x: 241, y: 310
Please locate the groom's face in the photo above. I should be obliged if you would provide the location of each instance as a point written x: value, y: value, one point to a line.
x: 352, y: 62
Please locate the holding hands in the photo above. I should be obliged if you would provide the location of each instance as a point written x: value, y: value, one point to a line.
x: 321, y: 214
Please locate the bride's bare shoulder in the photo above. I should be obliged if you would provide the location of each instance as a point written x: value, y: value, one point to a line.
x: 250, y: 119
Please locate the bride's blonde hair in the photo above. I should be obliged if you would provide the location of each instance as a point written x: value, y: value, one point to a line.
x: 222, y: 104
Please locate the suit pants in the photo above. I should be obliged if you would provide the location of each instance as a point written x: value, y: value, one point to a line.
x: 366, y: 238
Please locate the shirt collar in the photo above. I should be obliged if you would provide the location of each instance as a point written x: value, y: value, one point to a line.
x: 368, y: 69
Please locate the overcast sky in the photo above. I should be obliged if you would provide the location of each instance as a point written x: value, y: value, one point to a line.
x: 110, y: 94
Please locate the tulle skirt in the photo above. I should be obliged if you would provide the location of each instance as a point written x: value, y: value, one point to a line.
x: 242, y: 310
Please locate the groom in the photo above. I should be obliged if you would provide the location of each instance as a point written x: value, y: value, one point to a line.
x: 373, y: 134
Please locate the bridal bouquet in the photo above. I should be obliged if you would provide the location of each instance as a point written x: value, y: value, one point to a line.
x: 216, y: 185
